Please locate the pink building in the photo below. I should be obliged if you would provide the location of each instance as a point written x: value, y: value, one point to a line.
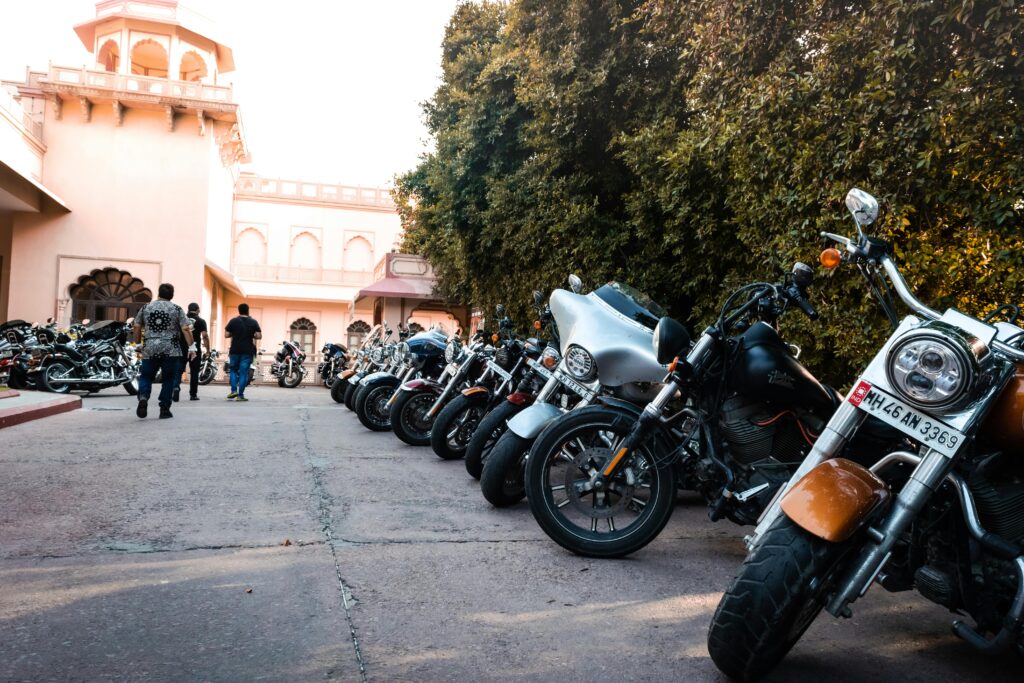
x: 116, y: 178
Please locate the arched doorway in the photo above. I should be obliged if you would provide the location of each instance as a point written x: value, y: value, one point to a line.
x: 193, y: 67
x: 108, y: 294
x: 303, y: 333
x: 109, y: 56
x: 149, y: 58
x: 357, y: 332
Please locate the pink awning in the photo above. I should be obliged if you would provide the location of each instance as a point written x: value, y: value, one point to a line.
x: 399, y: 288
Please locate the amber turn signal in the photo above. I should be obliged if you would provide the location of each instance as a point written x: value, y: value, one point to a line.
x: 536, y: 324
x: 673, y: 364
x: 494, y: 338
x: 550, y: 362
x: 831, y: 258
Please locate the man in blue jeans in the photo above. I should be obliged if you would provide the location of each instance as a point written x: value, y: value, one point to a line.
x: 162, y: 322
x: 243, y: 332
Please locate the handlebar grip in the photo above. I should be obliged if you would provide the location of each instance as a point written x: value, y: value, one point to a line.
x: 797, y: 297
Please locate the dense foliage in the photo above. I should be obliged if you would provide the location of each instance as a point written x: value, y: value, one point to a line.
x: 688, y: 146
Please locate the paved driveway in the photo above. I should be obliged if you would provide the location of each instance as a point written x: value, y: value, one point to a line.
x: 280, y: 540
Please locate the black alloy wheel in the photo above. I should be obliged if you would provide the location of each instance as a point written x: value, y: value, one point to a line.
x: 409, y: 418
x: 372, y: 404
x: 456, y: 424
x: 501, y: 480
x: 494, y: 424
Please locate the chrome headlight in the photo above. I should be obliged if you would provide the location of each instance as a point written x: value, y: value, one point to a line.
x: 402, y: 352
x: 377, y: 355
x: 453, y: 351
x: 935, y: 366
x: 580, y: 364
x: 550, y: 357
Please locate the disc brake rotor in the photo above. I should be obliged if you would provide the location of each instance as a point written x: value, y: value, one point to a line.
x: 608, y: 503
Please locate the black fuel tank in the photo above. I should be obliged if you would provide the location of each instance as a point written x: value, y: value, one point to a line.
x: 767, y: 371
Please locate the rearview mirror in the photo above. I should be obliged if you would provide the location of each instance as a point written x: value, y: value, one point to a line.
x: 575, y: 283
x: 500, y: 310
x: 538, y: 297
x: 863, y: 206
x: 670, y: 340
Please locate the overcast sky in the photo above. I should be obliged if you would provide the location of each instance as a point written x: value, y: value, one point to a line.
x: 330, y: 89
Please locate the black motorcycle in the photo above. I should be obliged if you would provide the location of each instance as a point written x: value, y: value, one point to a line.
x: 335, y: 358
x: 419, y: 356
x: 601, y: 481
x: 287, y: 366
x: 95, y: 360
x: 208, y: 366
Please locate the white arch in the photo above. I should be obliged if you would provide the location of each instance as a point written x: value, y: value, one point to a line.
x: 358, y: 255
x: 250, y: 247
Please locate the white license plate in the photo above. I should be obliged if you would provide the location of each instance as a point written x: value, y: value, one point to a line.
x: 912, y: 422
x: 540, y: 369
x: 574, y: 385
x: 498, y: 370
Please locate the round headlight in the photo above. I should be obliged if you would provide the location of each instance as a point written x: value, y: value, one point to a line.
x: 377, y: 355
x: 580, y: 363
x: 402, y: 352
x: 453, y: 351
x: 550, y: 357
x: 933, y: 370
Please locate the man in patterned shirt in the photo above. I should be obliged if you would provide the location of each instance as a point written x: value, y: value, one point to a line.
x: 161, y: 322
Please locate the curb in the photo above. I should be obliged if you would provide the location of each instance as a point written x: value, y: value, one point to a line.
x: 14, y: 416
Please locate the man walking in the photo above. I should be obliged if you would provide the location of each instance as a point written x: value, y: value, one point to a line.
x: 162, y: 322
x: 243, y: 332
x: 202, y: 340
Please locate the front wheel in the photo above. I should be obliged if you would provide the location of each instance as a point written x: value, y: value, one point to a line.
x: 55, y: 376
x: 372, y: 404
x: 501, y: 480
x: 338, y: 390
x: 132, y: 386
x: 206, y: 373
x: 494, y: 424
x: 779, y: 591
x: 456, y: 424
x: 626, y: 514
x: 291, y: 379
x: 409, y: 418
x: 350, y: 396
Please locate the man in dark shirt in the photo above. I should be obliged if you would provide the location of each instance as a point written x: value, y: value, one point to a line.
x: 243, y: 332
x: 202, y: 339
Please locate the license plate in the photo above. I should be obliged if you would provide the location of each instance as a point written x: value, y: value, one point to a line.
x: 912, y: 422
x: 574, y: 385
x: 539, y: 368
x: 498, y: 370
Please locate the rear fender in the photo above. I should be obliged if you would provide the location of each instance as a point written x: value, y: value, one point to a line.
x: 835, y: 499
x: 531, y: 421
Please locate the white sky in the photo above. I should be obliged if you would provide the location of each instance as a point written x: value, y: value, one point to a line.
x: 330, y: 89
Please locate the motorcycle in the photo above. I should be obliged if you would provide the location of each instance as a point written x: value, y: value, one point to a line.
x: 416, y: 404
x: 97, y: 359
x: 287, y: 366
x: 335, y: 357
x: 942, y: 516
x: 420, y: 355
x: 208, y: 366
x: 606, y: 352
x: 254, y: 366
x: 357, y: 362
x: 375, y: 357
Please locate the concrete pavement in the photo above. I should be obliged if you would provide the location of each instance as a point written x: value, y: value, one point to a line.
x: 279, y: 540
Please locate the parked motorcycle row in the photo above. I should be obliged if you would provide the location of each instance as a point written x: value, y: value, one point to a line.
x: 912, y: 480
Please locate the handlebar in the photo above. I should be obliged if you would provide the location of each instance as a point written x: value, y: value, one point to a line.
x: 797, y: 297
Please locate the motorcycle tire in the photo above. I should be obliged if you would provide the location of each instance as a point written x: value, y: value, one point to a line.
x: 338, y: 390
x: 350, y: 396
x: 207, y: 374
x: 456, y: 424
x: 404, y: 417
x: 280, y: 382
x: 574, y: 521
x: 501, y: 480
x: 490, y: 429
x: 132, y: 386
x: 778, y: 592
x: 51, y: 377
x: 371, y: 404
x: 291, y: 380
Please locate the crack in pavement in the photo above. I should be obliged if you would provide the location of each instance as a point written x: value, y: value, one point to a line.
x: 151, y: 551
x: 326, y: 523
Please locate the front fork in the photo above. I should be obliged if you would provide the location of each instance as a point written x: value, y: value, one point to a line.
x: 450, y: 387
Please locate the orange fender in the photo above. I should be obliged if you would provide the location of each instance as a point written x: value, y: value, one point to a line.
x: 834, y: 499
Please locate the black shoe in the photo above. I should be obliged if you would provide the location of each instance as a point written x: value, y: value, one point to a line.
x: 142, y: 409
x: 165, y: 413
x: 193, y: 398
x: 177, y: 395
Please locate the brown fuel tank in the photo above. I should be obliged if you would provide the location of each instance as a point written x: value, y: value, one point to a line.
x: 1005, y: 424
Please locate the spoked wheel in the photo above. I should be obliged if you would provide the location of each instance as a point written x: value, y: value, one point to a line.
x: 372, y: 406
x: 55, y: 377
x: 778, y: 593
x: 291, y: 379
x: 409, y: 418
x: 494, y: 424
x: 627, y: 514
x: 207, y: 373
x: 456, y: 424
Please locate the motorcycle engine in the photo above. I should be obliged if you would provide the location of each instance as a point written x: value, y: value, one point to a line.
x: 756, y: 432
x: 105, y: 362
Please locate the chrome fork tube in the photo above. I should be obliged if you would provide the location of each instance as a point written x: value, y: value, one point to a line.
x: 547, y: 390
x: 838, y: 431
x: 923, y: 482
x: 450, y: 387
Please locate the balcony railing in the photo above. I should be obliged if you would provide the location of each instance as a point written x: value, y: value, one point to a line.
x: 143, y: 85
x: 14, y: 108
x: 266, y: 273
x: 256, y: 186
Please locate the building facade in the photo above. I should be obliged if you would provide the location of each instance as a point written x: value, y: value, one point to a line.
x: 116, y: 178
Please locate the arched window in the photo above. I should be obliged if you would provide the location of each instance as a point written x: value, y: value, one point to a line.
x: 358, y: 255
x: 357, y: 332
x: 149, y: 58
x: 109, y: 56
x: 305, y: 251
x: 303, y: 333
x: 250, y: 248
x: 108, y: 294
x: 193, y: 67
